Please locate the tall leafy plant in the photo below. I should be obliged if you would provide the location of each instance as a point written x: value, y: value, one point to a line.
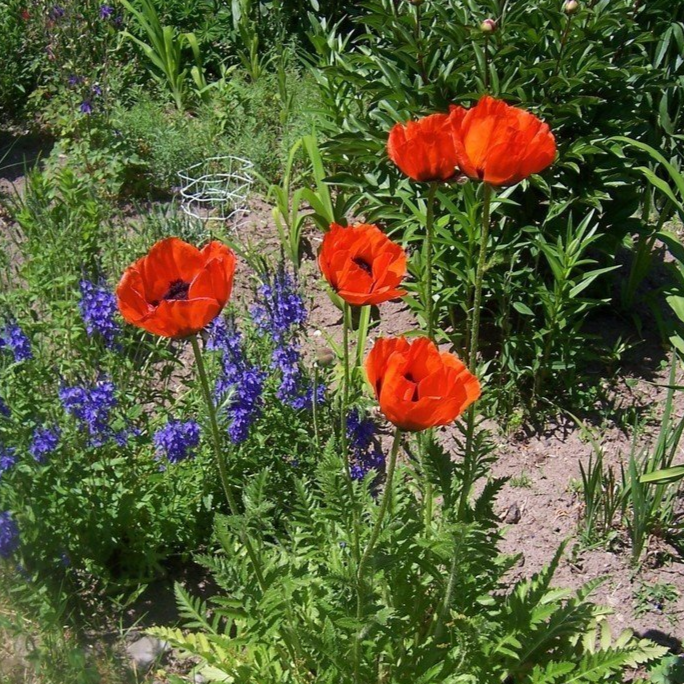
x: 164, y: 51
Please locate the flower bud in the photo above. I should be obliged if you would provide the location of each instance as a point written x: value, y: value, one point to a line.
x: 570, y: 6
x: 488, y: 26
x: 325, y: 356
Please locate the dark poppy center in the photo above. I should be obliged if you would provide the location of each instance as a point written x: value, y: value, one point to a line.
x: 178, y: 289
x: 363, y: 265
x: 410, y: 378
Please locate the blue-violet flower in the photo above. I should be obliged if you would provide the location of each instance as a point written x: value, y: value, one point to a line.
x: 280, y: 311
x: 365, y: 452
x: 92, y: 406
x: 98, y: 310
x: 239, y: 380
x: 45, y: 441
x: 17, y: 341
x: 8, y: 458
x: 177, y: 439
x: 9, y: 535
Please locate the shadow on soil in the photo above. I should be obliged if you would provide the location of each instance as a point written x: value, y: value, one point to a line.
x: 19, y: 153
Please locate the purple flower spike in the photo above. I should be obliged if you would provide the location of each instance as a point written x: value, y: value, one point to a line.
x: 98, y: 310
x: 8, y: 459
x: 17, y: 341
x: 366, y: 454
x: 45, y: 441
x: 177, y: 439
x: 280, y: 311
x: 92, y: 406
x: 86, y: 107
x: 239, y: 380
x: 9, y: 535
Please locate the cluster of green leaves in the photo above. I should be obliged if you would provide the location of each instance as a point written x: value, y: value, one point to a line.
x: 436, y: 608
x: 20, y: 53
x: 137, y: 150
x: 38, y: 649
x: 609, y: 69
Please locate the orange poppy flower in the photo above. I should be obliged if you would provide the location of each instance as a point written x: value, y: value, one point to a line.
x: 416, y: 385
x: 425, y: 149
x: 175, y: 290
x: 362, y: 264
x: 500, y: 144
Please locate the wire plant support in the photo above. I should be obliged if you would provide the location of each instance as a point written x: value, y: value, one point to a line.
x: 217, y: 189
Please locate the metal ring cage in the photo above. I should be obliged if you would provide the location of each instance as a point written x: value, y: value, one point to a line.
x: 217, y: 189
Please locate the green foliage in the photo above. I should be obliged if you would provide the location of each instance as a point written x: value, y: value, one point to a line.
x: 164, y: 50
x: 165, y: 142
x: 670, y: 670
x: 654, y: 597
x: 643, y: 499
x: 304, y: 619
x: 105, y: 504
x: 288, y: 212
x: 80, y: 60
x: 408, y: 60
x: 37, y: 648
x: 112, y: 516
x: 19, y: 51
x: 262, y: 120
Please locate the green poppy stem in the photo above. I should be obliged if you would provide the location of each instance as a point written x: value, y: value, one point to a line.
x: 346, y: 381
x: 375, y: 534
x: 345, y: 387
x: 479, y: 277
x: 429, y: 230
x: 425, y: 440
x: 468, y: 457
x: 386, y: 495
x: 230, y: 495
x: 314, y: 408
x: 220, y: 461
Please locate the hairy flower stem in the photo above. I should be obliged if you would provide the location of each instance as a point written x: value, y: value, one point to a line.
x: 564, y: 40
x: 345, y: 387
x: 314, y: 408
x: 375, y: 533
x: 346, y: 380
x: 220, y: 461
x: 429, y: 230
x: 444, y: 611
x: 419, y: 46
x: 469, y: 457
x: 227, y: 488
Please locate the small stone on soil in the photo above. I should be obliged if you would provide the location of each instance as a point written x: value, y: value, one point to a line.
x: 145, y: 652
x: 513, y: 515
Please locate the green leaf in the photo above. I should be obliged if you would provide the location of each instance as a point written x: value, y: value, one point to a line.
x: 523, y: 309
